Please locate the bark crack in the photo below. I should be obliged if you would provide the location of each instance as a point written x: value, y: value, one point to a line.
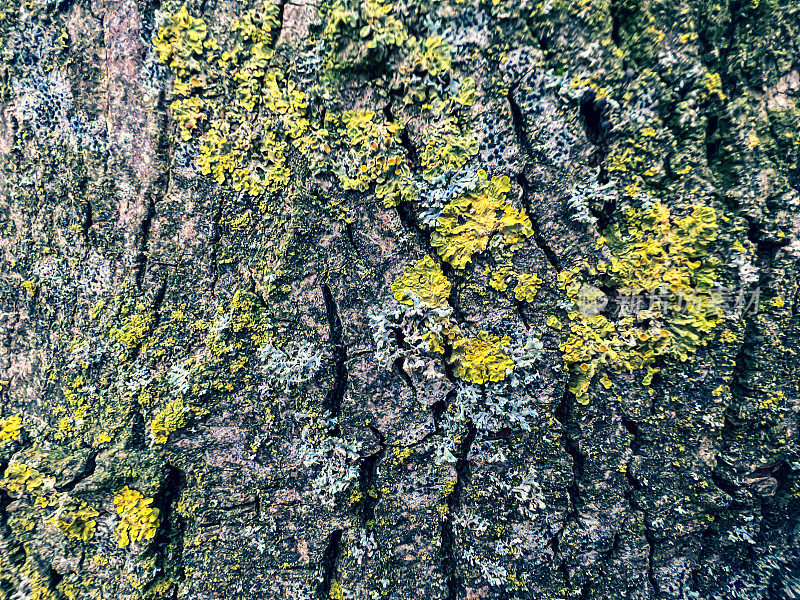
x: 551, y: 256
x: 449, y: 563
x: 214, y: 241
x: 368, y: 472
x: 328, y: 563
x: 518, y: 121
x: 333, y: 400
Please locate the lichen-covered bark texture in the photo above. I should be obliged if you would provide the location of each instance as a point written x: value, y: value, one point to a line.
x: 354, y: 299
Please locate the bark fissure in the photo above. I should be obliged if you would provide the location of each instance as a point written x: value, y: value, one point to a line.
x: 140, y: 262
x: 368, y: 474
x: 328, y: 564
x: 651, y: 545
x: 542, y: 244
x: 518, y: 121
x: 170, y: 536
x: 155, y: 306
x: 448, y: 539
x: 214, y: 242
x: 333, y: 400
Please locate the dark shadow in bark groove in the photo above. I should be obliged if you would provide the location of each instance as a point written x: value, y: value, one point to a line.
x: 328, y: 563
x: 448, y: 536
x: 333, y: 400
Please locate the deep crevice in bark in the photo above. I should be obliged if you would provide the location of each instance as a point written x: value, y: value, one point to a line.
x: 551, y: 256
x: 449, y: 563
x: 170, y: 537
x: 214, y: 242
x: 518, y: 121
x: 593, y: 112
x: 328, y: 563
x: 277, y: 33
x: 650, y: 570
x: 401, y: 371
x: 155, y: 306
x: 140, y: 261
x: 333, y: 400
x: 86, y: 471
x: 368, y: 473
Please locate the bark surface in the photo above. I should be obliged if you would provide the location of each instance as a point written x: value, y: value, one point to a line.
x: 449, y: 299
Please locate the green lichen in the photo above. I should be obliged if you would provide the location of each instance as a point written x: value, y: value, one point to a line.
x: 447, y: 148
x: 250, y: 118
x: 371, y: 153
x: 362, y: 37
x: 247, y: 315
x: 227, y: 89
x: 435, y: 59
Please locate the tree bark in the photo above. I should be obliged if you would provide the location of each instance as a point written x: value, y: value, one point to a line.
x: 355, y: 300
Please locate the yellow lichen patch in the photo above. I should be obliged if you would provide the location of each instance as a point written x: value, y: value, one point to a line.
x: 554, y: 322
x: 243, y: 315
x: 20, y: 478
x: 503, y: 271
x: 374, y: 148
x: 401, y: 454
x: 527, y: 286
x: 652, y: 252
x: 425, y: 280
x: 448, y: 331
x: 482, y: 358
x: 249, y: 116
x: 335, y: 592
x: 182, y: 41
x: 664, y: 275
x: 447, y: 148
x: 365, y: 34
x: 449, y: 487
x: 469, y: 221
x: 133, y: 328
x: 37, y: 582
x: 232, y: 151
x: 76, y: 519
x: 10, y: 428
x: 712, y: 86
x: 168, y: 421
x: 238, y: 364
x: 138, y: 520
x: 772, y: 402
x: 250, y: 130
